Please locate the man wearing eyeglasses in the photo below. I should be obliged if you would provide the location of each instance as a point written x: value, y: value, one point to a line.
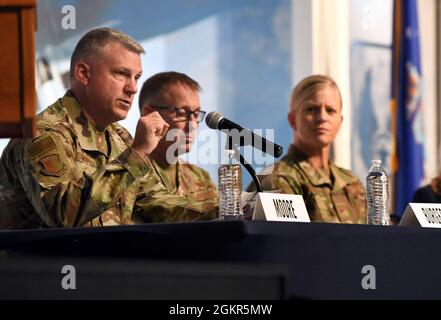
x: 176, y: 190
x: 83, y: 168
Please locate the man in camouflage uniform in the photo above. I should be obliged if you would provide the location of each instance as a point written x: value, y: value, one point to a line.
x: 82, y: 168
x: 176, y: 191
x: 331, y: 194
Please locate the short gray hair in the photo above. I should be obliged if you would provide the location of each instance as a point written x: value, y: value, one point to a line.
x: 92, y: 42
x: 157, y: 84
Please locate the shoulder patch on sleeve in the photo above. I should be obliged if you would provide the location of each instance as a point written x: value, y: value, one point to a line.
x: 41, y: 145
x: 52, y: 165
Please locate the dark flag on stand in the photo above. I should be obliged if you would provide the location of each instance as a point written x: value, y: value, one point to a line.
x: 406, y: 114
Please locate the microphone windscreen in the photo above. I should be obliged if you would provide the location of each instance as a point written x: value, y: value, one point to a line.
x: 212, y: 119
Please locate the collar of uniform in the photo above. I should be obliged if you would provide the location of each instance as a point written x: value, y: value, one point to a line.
x: 89, y: 137
x: 315, y: 177
x: 165, y: 178
x: 319, y: 177
x: 340, y: 178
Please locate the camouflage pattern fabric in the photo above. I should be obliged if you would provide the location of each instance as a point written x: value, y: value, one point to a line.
x: 70, y: 174
x: 336, y: 196
x: 180, y: 192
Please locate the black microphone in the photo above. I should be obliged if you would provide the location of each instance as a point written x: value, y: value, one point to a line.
x: 215, y: 120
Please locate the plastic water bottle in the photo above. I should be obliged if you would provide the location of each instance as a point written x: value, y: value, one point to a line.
x: 377, y: 184
x: 230, y: 189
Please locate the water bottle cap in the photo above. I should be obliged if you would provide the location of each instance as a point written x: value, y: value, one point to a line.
x: 376, y: 161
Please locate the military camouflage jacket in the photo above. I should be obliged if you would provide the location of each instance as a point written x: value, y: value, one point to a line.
x: 82, y: 176
x: 339, y: 199
x: 189, y: 195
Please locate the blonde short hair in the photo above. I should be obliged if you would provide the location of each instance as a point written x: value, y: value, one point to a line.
x: 309, y: 86
x: 92, y: 42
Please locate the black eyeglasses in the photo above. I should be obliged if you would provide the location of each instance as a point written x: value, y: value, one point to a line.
x: 183, y: 114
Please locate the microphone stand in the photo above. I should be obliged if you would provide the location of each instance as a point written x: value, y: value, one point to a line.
x: 243, y: 162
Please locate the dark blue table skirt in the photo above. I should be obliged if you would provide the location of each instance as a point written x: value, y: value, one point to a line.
x: 323, y: 260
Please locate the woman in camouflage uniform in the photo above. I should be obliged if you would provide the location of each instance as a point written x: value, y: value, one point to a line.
x: 332, y: 194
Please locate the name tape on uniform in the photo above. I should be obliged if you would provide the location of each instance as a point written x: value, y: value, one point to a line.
x: 280, y: 207
x: 426, y: 215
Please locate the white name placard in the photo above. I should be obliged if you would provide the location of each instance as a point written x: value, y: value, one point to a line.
x: 280, y: 207
x: 426, y: 215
